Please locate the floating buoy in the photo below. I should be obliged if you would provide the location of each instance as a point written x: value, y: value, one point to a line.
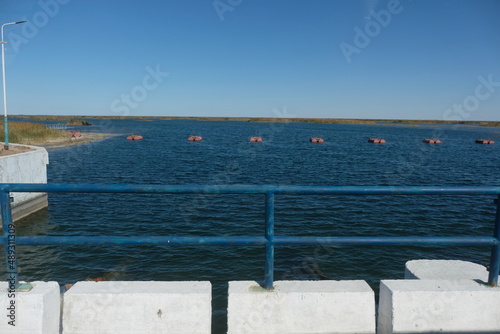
x: 317, y: 140
x: 376, y: 140
x: 432, y: 141
x: 484, y: 141
x: 74, y: 134
x: 134, y: 137
x: 195, y: 138
x: 256, y: 139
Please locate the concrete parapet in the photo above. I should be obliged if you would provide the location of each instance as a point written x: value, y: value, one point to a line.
x: 25, y: 167
x: 36, y: 311
x: 138, y: 307
x: 445, y: 269
x: 301, y: 307
x: 432, y: 306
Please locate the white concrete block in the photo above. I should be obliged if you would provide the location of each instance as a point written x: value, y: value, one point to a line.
x: 431, y: 306
x: 445, y: 269
x: 301, y: 307
x: 34, y: 312
x: 137, y: 307
x: 26, y: 167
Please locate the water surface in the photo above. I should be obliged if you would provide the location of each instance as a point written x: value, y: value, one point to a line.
x: 225, y: 156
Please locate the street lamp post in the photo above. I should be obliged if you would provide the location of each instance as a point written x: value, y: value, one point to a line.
x: 6, y: 124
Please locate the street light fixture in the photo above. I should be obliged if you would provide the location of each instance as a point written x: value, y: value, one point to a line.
x: 6, y: 124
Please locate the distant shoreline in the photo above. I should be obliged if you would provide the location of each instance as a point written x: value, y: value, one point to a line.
x: 86, y: 137
x: 63, y: 118
x: 62, y: 142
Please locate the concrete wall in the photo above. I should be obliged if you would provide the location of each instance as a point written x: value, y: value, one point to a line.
x: 33, y: 312
x: 406, y: 306
x: 445, y: 269
x: 438, y: 306
x: 26, y: 167
x: 301, y: 307
x: 138, y: 307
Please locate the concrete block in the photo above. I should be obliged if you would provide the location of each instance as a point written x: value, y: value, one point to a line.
x: 445, y: 269
x: 137, y: 307
x: 301, y: 307
x: 25, y: 167
x: 432, y: 306
x: 26, y: 208
x: 34, y: 312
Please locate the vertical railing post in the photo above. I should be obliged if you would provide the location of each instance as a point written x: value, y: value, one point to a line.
x: 9, y: 233
x: 495, y: 251
x: 269, y: 275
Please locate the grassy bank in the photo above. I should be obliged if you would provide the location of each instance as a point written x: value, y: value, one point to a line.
x: 30, y: 133
x: 265, y: 119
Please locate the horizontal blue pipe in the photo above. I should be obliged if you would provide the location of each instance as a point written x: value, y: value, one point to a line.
x: 108, y: 240
x: 247, y: 240
x: 248, y: 189
x: 375, y: 241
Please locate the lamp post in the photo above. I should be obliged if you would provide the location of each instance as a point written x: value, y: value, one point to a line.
x: 6, y: 124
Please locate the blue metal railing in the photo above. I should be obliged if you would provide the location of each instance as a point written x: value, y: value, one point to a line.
x: 10, y: 240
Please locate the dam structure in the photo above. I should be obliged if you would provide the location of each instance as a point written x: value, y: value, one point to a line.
x: 28, y: 166
x: 443, y: 296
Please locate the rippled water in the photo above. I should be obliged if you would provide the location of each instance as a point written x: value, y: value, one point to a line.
x: 284, y: 158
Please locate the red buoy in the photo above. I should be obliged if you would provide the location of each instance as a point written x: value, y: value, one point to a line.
x: 256, y: 139
x: 317, y: 140
x: 74, y: 134
x: 484, y: 141
x: 432, y: 141
x: 376, y: 140
x: 195, y: 138
x: 134, y: 137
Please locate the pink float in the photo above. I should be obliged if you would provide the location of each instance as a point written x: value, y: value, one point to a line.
x: 376, y: 140
x: 432, y: 141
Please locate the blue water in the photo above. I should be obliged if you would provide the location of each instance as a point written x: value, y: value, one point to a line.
x: 225, y: 156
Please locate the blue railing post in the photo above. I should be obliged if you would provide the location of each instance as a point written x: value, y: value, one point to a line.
x: 495, y: 251
x: 9, y: 233
x: 269, y: 275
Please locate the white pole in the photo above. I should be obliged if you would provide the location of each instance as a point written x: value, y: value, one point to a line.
x: 6, y: 124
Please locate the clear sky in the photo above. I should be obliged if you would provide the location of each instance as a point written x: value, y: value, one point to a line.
x: 420, y: 59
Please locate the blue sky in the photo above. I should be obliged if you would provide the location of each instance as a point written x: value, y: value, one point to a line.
x: 420, y: 59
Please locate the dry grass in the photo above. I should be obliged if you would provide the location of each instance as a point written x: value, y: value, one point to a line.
x: 30, y: 133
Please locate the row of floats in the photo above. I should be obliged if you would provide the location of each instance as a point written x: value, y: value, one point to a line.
x: 320, y: 140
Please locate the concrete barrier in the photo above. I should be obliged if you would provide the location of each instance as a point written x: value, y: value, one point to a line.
x: 301, y: 307
x: 445, y: 269
x: 138, y: 307
x: 406, y: 306
x: 25, y: 167
x: 32, y: 312
x: 432, y: 306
